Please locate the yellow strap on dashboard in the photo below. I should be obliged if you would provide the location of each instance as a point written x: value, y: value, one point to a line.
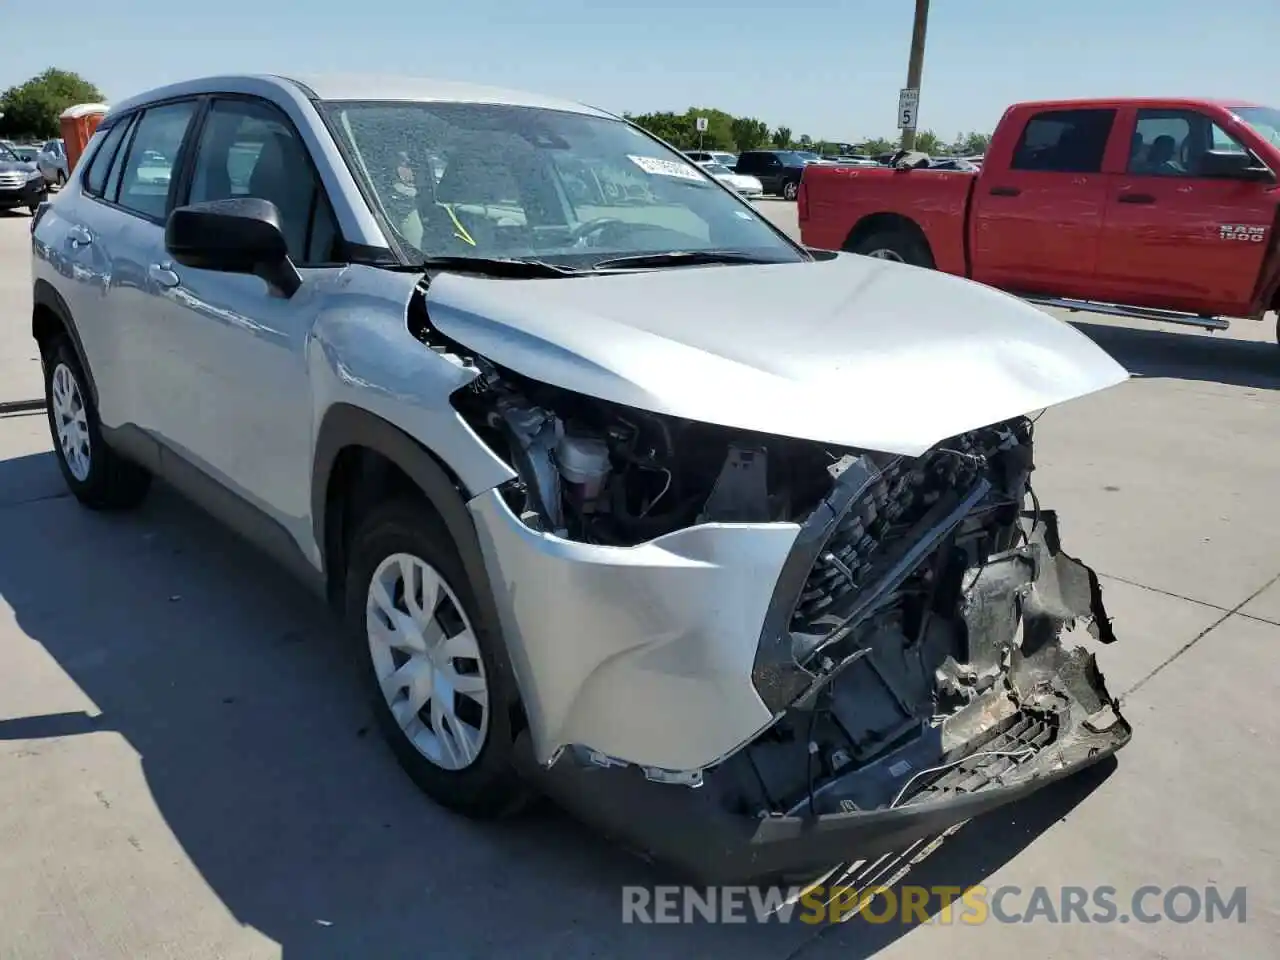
x: 461, y: 231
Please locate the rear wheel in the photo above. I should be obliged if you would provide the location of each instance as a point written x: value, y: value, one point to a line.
x: 96, y: 475
x: 790, y: 189
x: 439, y: 680
x: 898, y: 244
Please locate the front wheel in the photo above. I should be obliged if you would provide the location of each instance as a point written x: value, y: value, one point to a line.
x: 62, y: 179
x: 439, y: 679
x: 790, y: 190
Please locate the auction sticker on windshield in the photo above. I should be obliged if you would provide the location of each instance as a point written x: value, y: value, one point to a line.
x: 665, y: 168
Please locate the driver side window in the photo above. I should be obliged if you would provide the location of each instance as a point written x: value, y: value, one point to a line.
x: 1172, y: 143
x: 248, y: 148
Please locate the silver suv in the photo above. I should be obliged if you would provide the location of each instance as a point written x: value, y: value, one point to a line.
x: 622, y: 495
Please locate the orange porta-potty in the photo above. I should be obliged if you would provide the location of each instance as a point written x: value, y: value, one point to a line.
x: 78, y: 124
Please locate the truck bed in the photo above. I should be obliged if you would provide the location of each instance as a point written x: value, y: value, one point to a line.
x: 839, y: 206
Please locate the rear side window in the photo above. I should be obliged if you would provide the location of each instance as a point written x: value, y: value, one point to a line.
x: 1064, y: 141
x: 95, y: 178
x: 151, y: 159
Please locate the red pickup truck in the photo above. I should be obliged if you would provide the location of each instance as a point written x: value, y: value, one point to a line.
x: 1163, y: 209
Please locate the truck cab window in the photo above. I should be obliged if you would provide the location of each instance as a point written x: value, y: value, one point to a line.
x: 1172, y: 143
x: 1064, y: 141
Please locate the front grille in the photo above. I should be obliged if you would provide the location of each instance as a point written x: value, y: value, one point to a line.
x: 885, y: 510
x: 12, y: 179
x: 1017, y: 745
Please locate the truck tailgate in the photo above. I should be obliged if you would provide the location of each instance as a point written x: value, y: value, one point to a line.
x: 839, y: 203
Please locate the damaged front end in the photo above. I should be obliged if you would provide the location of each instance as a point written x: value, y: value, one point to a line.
x: 748, y: 654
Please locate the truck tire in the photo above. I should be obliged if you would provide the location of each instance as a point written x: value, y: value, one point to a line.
x: 894, y: 244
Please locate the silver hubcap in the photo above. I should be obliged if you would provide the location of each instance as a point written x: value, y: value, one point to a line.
x: 789, y: 191
x: 427, y: 661
x: 70, y: 421
x: 885, y: 254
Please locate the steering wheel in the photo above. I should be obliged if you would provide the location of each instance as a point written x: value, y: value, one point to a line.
x: 580, y: 234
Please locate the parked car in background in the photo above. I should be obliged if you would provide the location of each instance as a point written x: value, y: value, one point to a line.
x: 27, y: 153
x: 621, y: 494
x: 21, y: 183
x: 744, y: 184
x: 714, y: 156
x: 779, y: 171
x: 1160, y: 209
x: 52, y: 162
x: 855, y: 160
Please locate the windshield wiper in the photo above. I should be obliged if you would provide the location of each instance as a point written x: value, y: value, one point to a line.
x: 679, y: 258
x: 513, y: 267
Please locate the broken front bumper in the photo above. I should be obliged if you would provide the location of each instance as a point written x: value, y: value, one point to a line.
x: 677, y: 690
x: 693, y: 831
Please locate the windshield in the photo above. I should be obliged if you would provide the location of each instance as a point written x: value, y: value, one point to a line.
x: 6, y: 153
x: 1265, y: 120
x: 495, y: 180
x: 517, y: 182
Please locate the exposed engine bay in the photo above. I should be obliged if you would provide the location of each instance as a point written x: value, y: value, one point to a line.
x: 912, y: 647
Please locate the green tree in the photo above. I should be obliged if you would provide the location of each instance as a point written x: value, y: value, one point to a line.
x: 806, y: 141
x: 32, y: 108
x: 973, y: 142
x: 929, y: 142
x: 749, y: 133
x: 782, y: 138
x: 877, y: 146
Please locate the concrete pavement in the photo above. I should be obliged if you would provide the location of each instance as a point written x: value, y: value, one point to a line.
x: 186, y: 769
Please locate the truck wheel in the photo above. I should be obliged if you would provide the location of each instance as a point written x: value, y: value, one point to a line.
x: 900, y: 245
x: 440, y: 682
x: 790, y: 189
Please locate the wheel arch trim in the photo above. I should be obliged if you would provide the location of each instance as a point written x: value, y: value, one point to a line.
x: 344, y: 426
x: 45, y: 296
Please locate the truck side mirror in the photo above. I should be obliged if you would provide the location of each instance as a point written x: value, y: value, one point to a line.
x: 1234, y: 165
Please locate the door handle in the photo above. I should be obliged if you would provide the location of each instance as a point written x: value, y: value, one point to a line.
x: 1135, y: 198
x: 1005, y: 191
x: 162, y: 275
x: 79, y: 236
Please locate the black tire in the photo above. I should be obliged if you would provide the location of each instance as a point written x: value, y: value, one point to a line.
x: 62, y: 179
x: 490, y: 786
x: 111, y: 482
x: 790, y: 189
x: 33, y: 207
x: 903, y: 245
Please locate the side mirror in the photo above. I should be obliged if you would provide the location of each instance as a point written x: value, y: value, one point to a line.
x: 1234, y: 165
x: 240, y: 235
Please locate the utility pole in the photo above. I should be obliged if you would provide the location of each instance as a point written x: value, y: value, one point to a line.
x: 915, y: 65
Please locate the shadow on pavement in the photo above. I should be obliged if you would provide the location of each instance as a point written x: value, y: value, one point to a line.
x: 236, y: 691
x: 1182, y: 356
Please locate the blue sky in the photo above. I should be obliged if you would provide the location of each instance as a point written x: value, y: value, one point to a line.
x: 828, y: 68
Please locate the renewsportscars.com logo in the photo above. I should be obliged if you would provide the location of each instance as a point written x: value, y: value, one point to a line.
x: 939, y: 905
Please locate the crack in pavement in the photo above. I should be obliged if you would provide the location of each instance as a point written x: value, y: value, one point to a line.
x: 1226, y: 615
x: 9, y: 505
x: 1168, y: 593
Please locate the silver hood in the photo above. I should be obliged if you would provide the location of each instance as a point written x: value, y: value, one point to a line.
x: 853, y: 351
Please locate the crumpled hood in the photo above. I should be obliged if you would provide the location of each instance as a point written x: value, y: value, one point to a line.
x: 853, y: 351
x: 21, y: 166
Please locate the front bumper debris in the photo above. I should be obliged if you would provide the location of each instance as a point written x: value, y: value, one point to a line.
x: 1037, y: 712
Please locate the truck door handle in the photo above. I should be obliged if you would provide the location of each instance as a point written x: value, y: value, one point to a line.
x: 1136, y: 198
x: 79, y: 236
x: 1005, y: 191
x: 162, y: 275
